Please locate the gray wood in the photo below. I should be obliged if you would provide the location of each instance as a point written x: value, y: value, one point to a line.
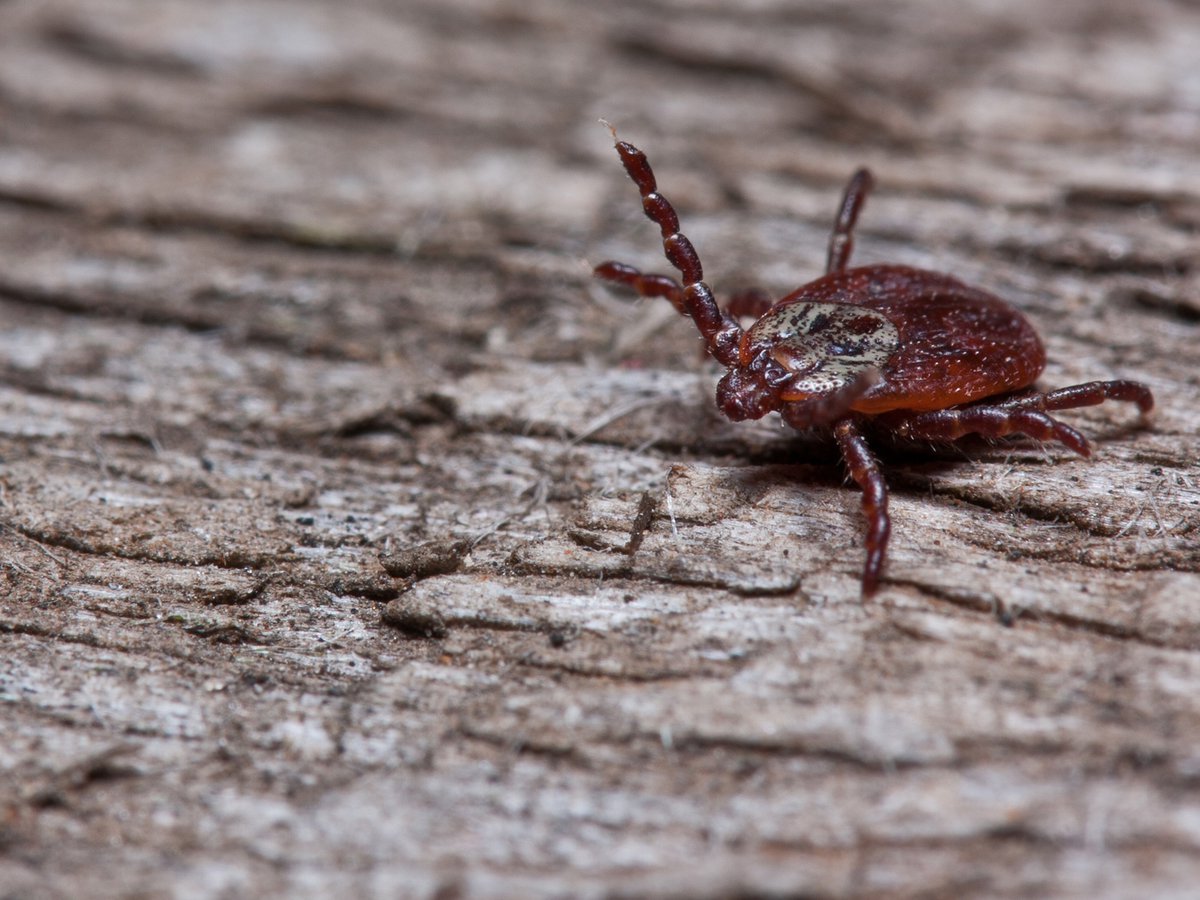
x: 354, y: 541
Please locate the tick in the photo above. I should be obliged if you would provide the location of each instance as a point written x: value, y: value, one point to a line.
x: 886, y: 349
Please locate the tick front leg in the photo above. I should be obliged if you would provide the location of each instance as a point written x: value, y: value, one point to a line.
x: 991, y: 421
x: 751, y: 302
x: 865, y: 471
x: 720, y: 332
x: 644, y: 284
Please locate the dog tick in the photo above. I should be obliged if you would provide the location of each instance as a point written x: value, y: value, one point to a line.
x: 909, y: 353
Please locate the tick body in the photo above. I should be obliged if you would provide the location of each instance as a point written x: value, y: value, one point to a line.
x: 912, y: 353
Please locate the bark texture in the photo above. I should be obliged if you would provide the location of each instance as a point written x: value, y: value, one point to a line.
x: 353, y: 540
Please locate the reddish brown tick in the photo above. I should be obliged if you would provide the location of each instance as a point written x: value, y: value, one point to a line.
x: 914, y: 354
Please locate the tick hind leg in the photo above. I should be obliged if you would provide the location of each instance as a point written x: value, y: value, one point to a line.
x: 1027, y: 415
x: 989, y: 422
x: 1091, y: 393
x: 865, y: 471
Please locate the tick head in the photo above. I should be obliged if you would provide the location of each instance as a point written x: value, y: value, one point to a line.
x: 752, y: 390
x: 741, y: 395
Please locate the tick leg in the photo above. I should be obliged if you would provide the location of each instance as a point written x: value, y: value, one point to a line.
x: 720, y: 332
x: 642, y: 283
x: 993, y: 421
x: 751, y: 303
x: 841, y: 242
x: 865, y: 472
x: 1091, y: 393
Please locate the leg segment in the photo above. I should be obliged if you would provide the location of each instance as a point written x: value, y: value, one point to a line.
x: 720, y: 332
x: 989, y: 421
x: 865, y: 472
x: 1091, y: 393
x: 642, y: 283
x: 841, y: 242
x: 1026, y: 414
x: 751, y: 303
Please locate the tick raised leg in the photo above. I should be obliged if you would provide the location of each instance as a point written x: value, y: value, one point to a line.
x: 751, y: 302
x: 865, y: 472
x: 719, y: 331
x: 841, y: 242
x: 644, y: 284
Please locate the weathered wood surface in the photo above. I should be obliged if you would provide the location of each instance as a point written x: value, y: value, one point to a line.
x: 322, y: 456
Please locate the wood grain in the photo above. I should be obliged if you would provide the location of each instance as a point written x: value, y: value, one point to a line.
x: 353, y: 540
